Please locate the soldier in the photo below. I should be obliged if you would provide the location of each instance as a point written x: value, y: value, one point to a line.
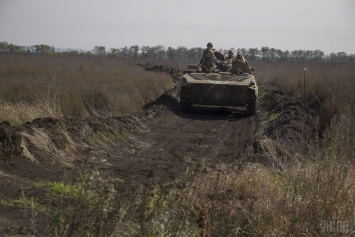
x: 240, y: 64
x: 209, y: 62
x: 209, y: 47
x: 230, y: 55
x: 227, y: 64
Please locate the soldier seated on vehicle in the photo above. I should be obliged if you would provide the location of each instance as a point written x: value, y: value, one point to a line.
x: 230, y: 55
x: 240, y: 64
x: 209, y: 62
x: 209, y: 47
x: 226, y: 65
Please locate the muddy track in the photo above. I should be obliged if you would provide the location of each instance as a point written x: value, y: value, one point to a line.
x: 176, y: 143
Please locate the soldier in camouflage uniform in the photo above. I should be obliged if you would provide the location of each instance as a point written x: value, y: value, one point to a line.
x: 209, y: 47
x: 209, y: 62
x: 227, y: 64
x: 230, y: 55
x: 240, y: 64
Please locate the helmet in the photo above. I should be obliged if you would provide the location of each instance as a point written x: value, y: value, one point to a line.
x: 209, y: 44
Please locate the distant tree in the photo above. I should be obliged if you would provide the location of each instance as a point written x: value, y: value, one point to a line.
x: 14, y: 48
x: 297, y: 55
x: 342, y: 56
x: 181, y: 52
x: 338, y: 57
x: 318, y: 55
x: 286, y: 55
x: 88, y: 54
x: 265, y: 52
x: 158, y: 51
x: 351, y: 58
x: 133, y: 51
x: 43, y: 49
x: 309, y: 55
x: 194, y: 53
x: 74, y: 52
x: 272, y: 56
x: 152, y: 52
x: 171, y: 53
x: 114, y: 52
x: 4, y: 47
x: 99, y: 50
x: 253, y: 53
x: 124, y: 52
x: 333, y: 57
x: 278, y: 55
x: 30, y: 49
x: 145, y: 51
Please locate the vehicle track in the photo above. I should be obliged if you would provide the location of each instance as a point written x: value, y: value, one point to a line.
x: 177, y: 142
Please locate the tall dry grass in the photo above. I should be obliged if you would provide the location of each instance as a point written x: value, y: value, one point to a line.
x: 329, y: 86
x: 74, y: 87
x: 253, y: 201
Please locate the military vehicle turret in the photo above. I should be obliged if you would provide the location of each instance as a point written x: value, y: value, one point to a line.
x: 218, y: 89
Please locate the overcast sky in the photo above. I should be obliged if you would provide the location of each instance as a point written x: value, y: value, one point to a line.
x: 328, y: 25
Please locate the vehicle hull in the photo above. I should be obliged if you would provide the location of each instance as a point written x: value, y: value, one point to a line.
x: 218, y: 89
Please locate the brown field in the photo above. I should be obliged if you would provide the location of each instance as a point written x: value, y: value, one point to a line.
x: 297, y: 181
x: 72, y: 87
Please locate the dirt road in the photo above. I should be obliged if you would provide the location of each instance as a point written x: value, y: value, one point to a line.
x: 173, y: 143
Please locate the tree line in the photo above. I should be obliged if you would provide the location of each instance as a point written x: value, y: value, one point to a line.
x: 181, y: 53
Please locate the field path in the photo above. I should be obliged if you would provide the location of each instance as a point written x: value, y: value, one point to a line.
x: 176, y: 143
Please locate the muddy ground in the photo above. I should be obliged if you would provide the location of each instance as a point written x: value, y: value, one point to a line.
x: 157, y: 145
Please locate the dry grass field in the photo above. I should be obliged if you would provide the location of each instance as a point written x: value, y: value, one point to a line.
x: 304, y: 196
x: 33, y: 86
x: 329, y: 86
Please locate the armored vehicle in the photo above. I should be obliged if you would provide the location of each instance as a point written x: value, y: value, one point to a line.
x: 218, y: 89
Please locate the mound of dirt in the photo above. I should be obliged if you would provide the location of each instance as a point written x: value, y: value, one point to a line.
x: 10, y: 142
x: 287, y: 130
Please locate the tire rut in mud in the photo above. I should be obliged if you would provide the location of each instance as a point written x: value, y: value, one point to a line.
x: 178, y: 142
